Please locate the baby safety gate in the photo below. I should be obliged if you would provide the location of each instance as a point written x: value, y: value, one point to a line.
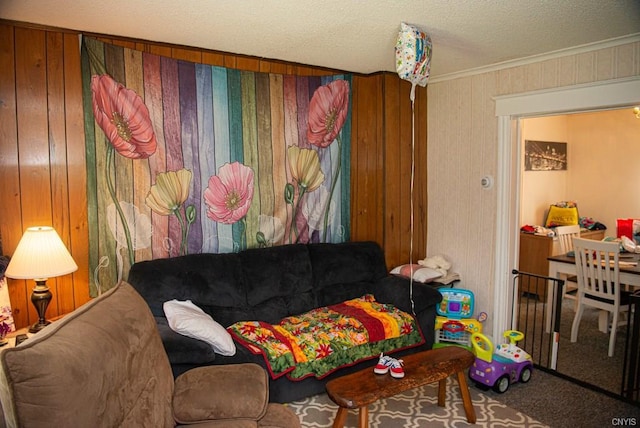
x: 546, y: 337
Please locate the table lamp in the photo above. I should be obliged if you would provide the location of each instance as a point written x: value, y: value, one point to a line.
x: 40, y: 255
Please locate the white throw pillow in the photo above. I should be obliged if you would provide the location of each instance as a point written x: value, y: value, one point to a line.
x: 420, y: 273
x: 189, y: 320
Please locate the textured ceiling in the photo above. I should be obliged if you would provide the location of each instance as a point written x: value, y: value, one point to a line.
x: 357, y: 36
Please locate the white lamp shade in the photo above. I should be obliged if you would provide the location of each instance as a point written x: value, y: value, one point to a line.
x: 41, y: 254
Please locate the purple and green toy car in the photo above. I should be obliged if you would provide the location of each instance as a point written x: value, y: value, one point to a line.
x: 500, y: 368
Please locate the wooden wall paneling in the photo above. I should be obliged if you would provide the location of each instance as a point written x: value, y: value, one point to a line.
x: 404, y: 127
x: 398, y: 159
x: 62, y: 288
x: 33, y: 127
x: 376, y: 162
x: 266, y: 66
x: 229, y: 61
x: 158, y: 50
x: 213, y: 58
x: 11, y: 208
x: 76, y: 172
x: 185, y: 54
x: 355, y: 202
x: 420, y: 190
x: 301, y: 70
x: 393, y: 189
x: 366, y: 160
x: 410, y: 132
x: 33, y: 138
x: 277, y: 67
x: 248, y: 64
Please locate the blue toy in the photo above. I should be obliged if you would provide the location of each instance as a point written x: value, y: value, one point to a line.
x: 499, y: 369
x: 454, y: 322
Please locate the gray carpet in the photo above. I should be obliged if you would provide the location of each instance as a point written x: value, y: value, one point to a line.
x: 586, y: 359
x: 559, y: 403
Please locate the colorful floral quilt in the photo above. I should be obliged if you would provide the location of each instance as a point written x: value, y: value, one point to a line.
x: 324, y: 339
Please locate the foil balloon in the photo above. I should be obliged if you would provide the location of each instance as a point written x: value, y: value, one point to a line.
x: 413, y: 56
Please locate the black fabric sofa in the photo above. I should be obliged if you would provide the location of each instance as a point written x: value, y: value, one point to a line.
x: 268, y: 284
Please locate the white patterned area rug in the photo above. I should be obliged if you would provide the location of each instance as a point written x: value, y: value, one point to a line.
x: 417, y: 408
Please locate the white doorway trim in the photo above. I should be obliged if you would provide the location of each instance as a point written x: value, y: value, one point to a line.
x: 509, y: 109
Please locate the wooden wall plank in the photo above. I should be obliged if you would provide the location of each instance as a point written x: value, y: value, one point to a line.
x: 404, y: 129
x: 33, y: 139
x: 393, y: 170
x: 278, y: 67
x: 159, y: 50
x: 230, y: 61
x: 186, y: 54
x: 78, y: 242
x: 212, y: 58
x: 62, y: 288
x: 366, y: 155
x: 10, y: 209
x: 248, y: 64
x: 33, y: 127
x: 420, y: 191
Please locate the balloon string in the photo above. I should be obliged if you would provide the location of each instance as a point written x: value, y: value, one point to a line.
x: 413, y: 149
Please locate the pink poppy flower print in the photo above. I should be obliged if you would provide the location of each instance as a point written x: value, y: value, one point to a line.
x: 328, y: 112
x: 123, y: 117
x: 229, y: 194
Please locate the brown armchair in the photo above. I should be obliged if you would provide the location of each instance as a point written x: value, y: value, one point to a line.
x: 104, y: 365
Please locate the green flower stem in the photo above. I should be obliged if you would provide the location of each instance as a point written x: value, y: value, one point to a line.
x: 112, y: 192
x: 333, y: 187
x: 294, y: 224
x: 185, y: 225
x: 183, y: 230
x: 190, y: 216
x: 243, y: 236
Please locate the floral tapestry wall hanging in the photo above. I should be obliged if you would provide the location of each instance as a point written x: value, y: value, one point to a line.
x: 187, y: 158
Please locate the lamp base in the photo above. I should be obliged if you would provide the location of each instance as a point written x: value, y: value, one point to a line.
x: 40, y: 297
x: 36, y: 327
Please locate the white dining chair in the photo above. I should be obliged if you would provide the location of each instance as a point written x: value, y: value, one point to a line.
x: 565, y: 236
x: 598, y: 272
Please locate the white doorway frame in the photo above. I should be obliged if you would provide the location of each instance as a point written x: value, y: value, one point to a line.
x: 509, y: 110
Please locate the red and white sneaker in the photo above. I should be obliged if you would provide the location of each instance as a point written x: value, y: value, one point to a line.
x: 396, y: 369
x: 384, y: 364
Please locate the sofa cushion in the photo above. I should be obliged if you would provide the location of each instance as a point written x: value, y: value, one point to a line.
x: 277, y: 281
x: 246, y: 394
x: 182, y: 349
x: 211, y: 281
x: 101, y: 365
x: 337, y: 268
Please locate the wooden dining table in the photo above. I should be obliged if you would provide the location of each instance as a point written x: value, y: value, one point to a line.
x: 566, y: 265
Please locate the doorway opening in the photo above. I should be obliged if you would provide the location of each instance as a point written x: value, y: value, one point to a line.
x: 510, y: 110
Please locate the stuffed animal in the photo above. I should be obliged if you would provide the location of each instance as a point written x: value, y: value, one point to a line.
x: 437, y: 263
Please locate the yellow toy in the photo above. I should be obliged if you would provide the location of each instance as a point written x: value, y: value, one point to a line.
x: 454, y: 322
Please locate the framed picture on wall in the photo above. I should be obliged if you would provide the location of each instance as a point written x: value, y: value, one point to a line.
x: 545, y: 156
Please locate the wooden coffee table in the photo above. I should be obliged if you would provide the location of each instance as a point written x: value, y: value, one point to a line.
x: 358, y: 390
